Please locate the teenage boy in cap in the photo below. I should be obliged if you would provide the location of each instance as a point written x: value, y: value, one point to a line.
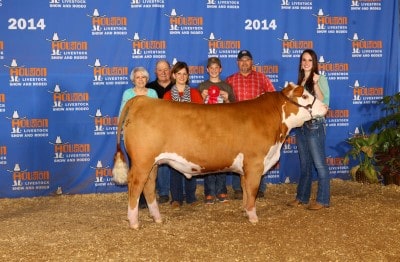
x: 248, y: 84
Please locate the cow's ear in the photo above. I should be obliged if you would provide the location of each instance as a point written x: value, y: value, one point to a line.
x: 298, y: 91
x: 289, y: 90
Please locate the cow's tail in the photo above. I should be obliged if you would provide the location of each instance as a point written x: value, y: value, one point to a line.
x: 120, y: 169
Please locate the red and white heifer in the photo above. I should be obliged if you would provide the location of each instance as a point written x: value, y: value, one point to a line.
x: 243, y: 137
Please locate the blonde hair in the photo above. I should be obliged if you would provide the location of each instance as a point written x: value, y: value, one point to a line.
x: 139, y: 69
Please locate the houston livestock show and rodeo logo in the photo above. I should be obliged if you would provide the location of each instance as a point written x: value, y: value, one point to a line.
x: 102, y: 25
x: 222, y: 48
x: 28, y: 127
x: 362, y: 48
x: 148, y: 49
x: 296, y: 5
x: 363, y: 94
x: 104, y: 75
x: 104, y: 124
x: 65, y: 152
x: 29, y: 180
x: 103, y: 175
x: 329, y: 24
x: 61, y: 49
x: 69, y: 4
x: 366, y: 5
x: 21, y: 75
x: 69, y: 101
x: 185, y: 25
x: 147, y: 4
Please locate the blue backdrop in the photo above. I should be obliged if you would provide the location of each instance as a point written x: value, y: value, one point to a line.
x: 67, y: 62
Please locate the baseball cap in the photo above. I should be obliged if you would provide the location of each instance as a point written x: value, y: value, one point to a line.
x: 244, y: 53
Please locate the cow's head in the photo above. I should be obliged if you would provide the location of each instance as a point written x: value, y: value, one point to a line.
x: 308, y: 106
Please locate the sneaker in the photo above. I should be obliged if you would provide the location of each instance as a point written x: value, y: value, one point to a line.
x: 294, y: 203
x: 209, y: 200
x: 222, y: 198
x: 175, y: 205
x: 195, y: 203
x: 316, y: 206
x: 163, y: 199
x: 238, y: 194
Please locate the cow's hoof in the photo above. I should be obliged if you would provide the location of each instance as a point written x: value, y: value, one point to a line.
x: 158, y: 220
x: 252, y: 215
x: 253, y: 220
x: 134, y: 226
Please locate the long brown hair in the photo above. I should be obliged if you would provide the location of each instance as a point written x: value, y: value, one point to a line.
x: 309, y: 85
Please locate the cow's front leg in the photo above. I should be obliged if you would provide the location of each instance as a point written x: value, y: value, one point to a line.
x: 150, y: 195
x: 250, y: 187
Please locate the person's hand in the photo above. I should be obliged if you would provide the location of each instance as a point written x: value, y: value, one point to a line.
x: 224, y: 95
x: 204, y: 94
x: 315, y: 79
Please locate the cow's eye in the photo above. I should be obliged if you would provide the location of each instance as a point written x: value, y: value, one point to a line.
x: 304, y: 96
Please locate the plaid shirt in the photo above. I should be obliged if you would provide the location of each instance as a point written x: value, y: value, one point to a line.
x: 251, y: 86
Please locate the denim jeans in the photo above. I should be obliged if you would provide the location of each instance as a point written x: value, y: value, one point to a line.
x: 236, y: 183
x: 178, y: 183
x: 311, y: 146
x: 163, y: 180
x: 215, y: 184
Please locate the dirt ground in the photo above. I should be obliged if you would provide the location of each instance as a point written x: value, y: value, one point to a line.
x: 362, y: 224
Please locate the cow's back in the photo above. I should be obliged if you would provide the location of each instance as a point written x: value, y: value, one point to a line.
x: 210, y: 135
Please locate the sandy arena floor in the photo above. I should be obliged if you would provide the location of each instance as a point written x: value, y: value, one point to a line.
x: 362, y: 224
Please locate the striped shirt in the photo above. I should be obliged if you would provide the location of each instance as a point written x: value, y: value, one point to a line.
x: 250, y: 86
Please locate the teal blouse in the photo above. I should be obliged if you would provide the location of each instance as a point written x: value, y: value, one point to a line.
x: 129, y: 93
x: 323, y: 85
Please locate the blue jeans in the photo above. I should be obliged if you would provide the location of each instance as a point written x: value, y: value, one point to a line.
x: 311, y: 146
x: 178, y: 183
x: 215, y: 184
x: 163, y: 180
x: 236, y: 183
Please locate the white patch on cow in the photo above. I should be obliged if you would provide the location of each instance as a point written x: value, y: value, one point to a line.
x: 179, y: 163
x: 272, y: 157
x: 133, y: 216
x: 237, y: 165
x: 120, y: 172
x: 190, y: 169
x: 252, y: 215
x: 155, y: 212
x: 296, y: 120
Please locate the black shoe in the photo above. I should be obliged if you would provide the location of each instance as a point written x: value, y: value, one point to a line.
x: 238, y: 194
x: 260, y: 194
x: 163, y: 199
